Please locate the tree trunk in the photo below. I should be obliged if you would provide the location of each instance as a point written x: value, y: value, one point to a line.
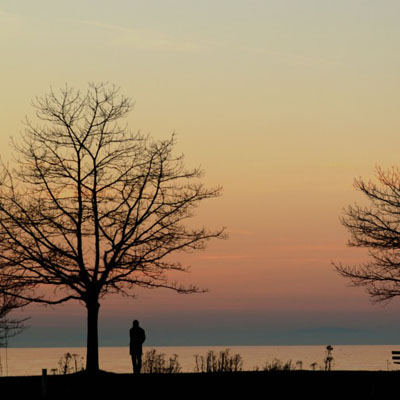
x: 92, y: 351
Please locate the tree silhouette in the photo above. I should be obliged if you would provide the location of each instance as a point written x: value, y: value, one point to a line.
x: 9, y: 326
x: 92, y: 209
x: 377, y: 228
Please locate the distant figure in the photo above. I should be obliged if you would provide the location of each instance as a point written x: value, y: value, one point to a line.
x: 137, y: 337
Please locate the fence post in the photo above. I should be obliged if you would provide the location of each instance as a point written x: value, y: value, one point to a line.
x: 44, y: 383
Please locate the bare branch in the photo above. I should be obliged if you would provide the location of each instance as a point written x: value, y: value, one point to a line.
x: 376, y: 228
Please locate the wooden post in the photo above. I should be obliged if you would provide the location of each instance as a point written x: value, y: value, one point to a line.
x: 44, y: 383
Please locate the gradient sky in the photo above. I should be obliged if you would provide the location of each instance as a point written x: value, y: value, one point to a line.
x: 282, y: 102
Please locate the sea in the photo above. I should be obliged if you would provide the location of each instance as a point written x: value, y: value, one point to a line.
x: 31, y: 361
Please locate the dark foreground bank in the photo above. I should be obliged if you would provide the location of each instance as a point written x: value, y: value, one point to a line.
x: 248, y: 385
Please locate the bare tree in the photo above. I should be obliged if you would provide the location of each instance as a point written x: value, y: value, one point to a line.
x: 10, y: 326
x: 92, y: 209
x: 377, y: 228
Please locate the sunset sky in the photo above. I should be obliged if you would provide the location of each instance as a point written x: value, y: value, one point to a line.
x: 281, y: 102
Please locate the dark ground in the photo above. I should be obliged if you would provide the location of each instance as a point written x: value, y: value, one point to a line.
x: 242, y: 385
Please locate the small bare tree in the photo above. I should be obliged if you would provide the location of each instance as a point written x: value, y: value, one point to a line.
x: 377, y: 228
x: 10, y: 327
x: 90, y: 209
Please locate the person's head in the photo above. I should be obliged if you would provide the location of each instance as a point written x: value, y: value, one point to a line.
x: 135, y: 323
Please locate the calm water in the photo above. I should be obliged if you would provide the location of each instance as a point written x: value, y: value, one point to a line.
x: 30, y: 361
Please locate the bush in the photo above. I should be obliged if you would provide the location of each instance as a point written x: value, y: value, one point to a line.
x: 314, y: 366
x: 222, y: 362
x: 155, y: 363
x: 278, y: 365
x: 68, y: 364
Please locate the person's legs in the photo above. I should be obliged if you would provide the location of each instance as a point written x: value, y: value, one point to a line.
x: 139, y: 363
x: 133, y: 357
x: 136, y: 363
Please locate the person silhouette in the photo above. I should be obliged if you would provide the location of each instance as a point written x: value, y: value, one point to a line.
x: 137, y: 337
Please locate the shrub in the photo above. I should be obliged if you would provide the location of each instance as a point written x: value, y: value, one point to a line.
x: 221, y: 362
x: 314, y: 366
x: 68, y: 364
x: 278, y: 365
x: 155, y: 363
